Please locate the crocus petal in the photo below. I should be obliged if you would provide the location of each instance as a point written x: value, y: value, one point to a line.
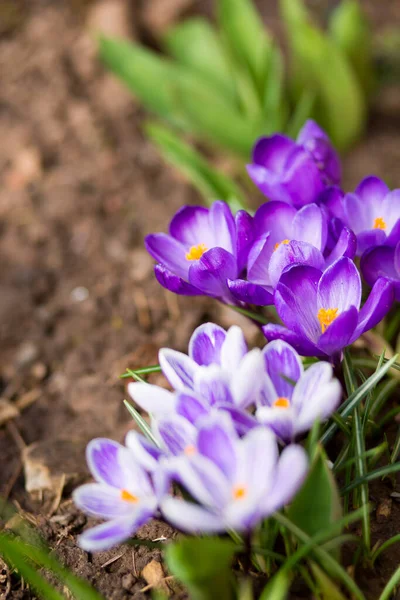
x: 272, y: 152
x: 191, y: 226
x: 247, y: 379
x: 300, y: 343
x: 205, y: 344
x: 175, y: 284
x: 110, y: 534
x: 190, y: 517
x: 244, y: 237
x: 372, y: 186
x: 151, y: 398
x: 169, y: 252
x: 378, y: 262
x: 279, y: 420
x: 339, y: 333
x: 250, y: 293
x: 376, y: 307
x: 258, y: 474
x: 241, y: 419
x: 258, y: 261
x: 268, y: 183
x: 319, y: 406
x: 204, y: 480
x: 340, y: 286
x: 290, y: 474
x: 144, y: 451
x: 276, y: 218
x: 294, y: 253
x: 102, y: 501
x: 394, y: 236
x: 309, y: 225
x: 370, y: 239
x: 358, y: 215
x: 303, y: 181
x: 176, y: 432
x: 332, y: 198
x: 178, y: 368
x: 212, y: 385
x: 216, y: 441
x: 282, y: 363
x: 222, y: 225
x: 345, y: 246
x: 191, y: 407
x: 310, y: 131
x: 309, y: 383
x: 211, y: 272
x: 296, y: 300
x: 102, y: 456
x: 233, y: 349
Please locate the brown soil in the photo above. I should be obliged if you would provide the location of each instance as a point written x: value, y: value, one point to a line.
x: 81, y: 187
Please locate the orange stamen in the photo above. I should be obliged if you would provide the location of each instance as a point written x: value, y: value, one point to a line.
x: 281, y: 403
x: 128, y: 497
x: 190, y: 450
x: 239, y: 492
x: 282, y: 242
x: 196, y: 252
x: 379, y: 223
x: 326, y: 316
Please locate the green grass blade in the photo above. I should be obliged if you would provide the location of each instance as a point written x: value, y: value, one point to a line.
x: 141, y: 423
x: 391, y: 586
x: 381, y: 472
x: 141, y: 371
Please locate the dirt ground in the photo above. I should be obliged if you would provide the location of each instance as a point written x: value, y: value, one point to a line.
x: 81, y: 186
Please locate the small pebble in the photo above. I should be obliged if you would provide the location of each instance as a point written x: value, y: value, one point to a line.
x: 79, y: 294
x: 26, y: 355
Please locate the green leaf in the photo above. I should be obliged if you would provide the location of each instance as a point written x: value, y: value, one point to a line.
x: 210, y: 182
x: 328, y: 589
x: 320, y: 66
x: 317, y: 505
x: 141, y: 423
x: 196, y: 45
x: 377, y: 474
x: 278, y: 587
x: 246, y: 37
x: 147, y: 74
x: 391, y: 585
x: 203, y: 565
x: 275, y: 105
x: 302, y: 111
x: 349, y: 28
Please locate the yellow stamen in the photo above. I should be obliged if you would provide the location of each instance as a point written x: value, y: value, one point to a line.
x: 239, y: 492
x: 282, y: 242
x: 196, y: 252
x: 326, y: 316
x: 281, y: 403
x: 190, y: 450
x: 379, y: 223
x: 128, y: 497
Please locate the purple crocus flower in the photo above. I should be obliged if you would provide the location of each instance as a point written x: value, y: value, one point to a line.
x: 219, y: 371
x: 292, y: 399
x: 123, y: 495
x: 235, y: 482
x: 295, y: 172
x: 382, y: 261
x: 204, y: 248
x: 286, y: 237
x: 321, y: 311
x: 372, y: 212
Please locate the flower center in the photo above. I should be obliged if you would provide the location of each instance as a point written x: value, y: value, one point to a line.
x: 326, y: 316
x: 379, y: 223
x: 128, y: 497
x: 239, y: 492
x: 196, y: 252
x: 282, y: 242
x: 281, y: 403
x: 190, y: 450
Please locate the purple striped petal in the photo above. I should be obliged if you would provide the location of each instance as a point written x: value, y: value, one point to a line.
x: 241, y: 419
x: 272, y: 152
x: 247, y: 380
x: 394, y: 236
x: 340, y: 286
x: 216, y: 441
x: 358, y: 216
x: 211, y: 272
x: 102, y: 501
x: 300, y: 343
x: 345, y: 246
x: 309, y: 225
x: 250, y: 293
x: 290, y: 475
x: 244, y: 237
x: 233, y: 349
x: 282, y: 363
x: 376, y: 307
x: 370, y: 239
x: 212, y: 384
x: 206, y: 343
x: 110, y: 534
x: 152, y: 398
x: 372, y: 187
x: 169, y: 252
x: 223, y: 227
x: 190, y: 517
x: 191, y: 407
x: 175, y: 284
x: 102, y: 456
x: 379, y: 262
x: 303, y: 182
x: 277, y: 218
x: 145, y: 452
x: 191, y: 226
x: 279, y: 420
x: 294, y: 253
x: 176, y: 432
x: 178, y: 368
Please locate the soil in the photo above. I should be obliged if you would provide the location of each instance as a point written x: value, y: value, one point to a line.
x: 81, y: 186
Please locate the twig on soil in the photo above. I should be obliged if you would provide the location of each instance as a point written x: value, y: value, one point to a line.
x: 134, y: 564
x: 112, y: 560
x: 15, y: 434
x: 57, y: 499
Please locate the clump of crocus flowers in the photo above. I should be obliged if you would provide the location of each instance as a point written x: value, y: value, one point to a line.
x: 228, y: 433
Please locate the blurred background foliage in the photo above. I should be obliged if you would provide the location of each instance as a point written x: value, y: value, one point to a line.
x: 228, y: 83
